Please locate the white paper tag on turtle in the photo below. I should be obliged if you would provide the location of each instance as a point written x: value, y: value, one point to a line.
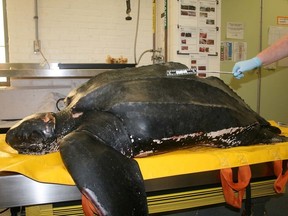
x: 181, y: 72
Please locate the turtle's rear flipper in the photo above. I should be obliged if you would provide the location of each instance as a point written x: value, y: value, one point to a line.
x: 112, y: 182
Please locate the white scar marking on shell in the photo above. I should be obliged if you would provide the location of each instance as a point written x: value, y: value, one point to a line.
x: 144, y: 154
x: 211, y: 135
x: 224, y: 131
x: 76, y: 115
x: 132, y: 139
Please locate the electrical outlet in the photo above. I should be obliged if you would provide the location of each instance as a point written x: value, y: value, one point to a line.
x: 37, y: 46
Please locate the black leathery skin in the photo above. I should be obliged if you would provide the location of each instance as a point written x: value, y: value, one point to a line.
x: 114, y: 182
x: 80, y: 98
x: 109, y: 129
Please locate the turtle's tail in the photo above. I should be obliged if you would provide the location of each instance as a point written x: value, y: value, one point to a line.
x: 278, y: 137
x: 272, y: 134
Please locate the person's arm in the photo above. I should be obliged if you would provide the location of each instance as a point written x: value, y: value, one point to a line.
x: 275, y: 52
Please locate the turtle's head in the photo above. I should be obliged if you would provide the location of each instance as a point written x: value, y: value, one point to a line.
x: 34, y: 134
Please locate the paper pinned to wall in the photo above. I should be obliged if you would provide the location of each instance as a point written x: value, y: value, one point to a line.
x: 235, y: 30
x: 199, y: 62
x: 240, y: 51
x: 275, y: 33
x: 226, y: 51
x: 233, y: 51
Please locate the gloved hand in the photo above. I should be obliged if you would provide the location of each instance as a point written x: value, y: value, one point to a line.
x: 243, y: 66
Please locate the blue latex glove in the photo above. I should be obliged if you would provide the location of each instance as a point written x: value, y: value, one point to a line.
x: 243, y: 66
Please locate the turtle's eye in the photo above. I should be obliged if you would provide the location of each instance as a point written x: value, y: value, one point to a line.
x: 49, y: 124
x: 36, y: 137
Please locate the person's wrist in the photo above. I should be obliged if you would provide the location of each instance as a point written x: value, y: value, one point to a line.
x: 257, y: 61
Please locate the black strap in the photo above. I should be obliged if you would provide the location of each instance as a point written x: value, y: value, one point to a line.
x: 248, y: 202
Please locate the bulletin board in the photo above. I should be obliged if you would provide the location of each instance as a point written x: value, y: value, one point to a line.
x: 188, y: 32
x: 197, y: 28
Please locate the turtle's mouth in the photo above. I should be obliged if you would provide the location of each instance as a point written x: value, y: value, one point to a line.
x: 37, y: 148
x: 34, y: 142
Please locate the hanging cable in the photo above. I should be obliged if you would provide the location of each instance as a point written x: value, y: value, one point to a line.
x: 155, y: 58
x: 5, y: 210
x: 45, y: 60
x: 58, y: 106
x: 146, y: 51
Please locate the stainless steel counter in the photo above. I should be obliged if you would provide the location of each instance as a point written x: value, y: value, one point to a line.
x: 50, y: 73
x: 26, y: 70
x: 18, y: 190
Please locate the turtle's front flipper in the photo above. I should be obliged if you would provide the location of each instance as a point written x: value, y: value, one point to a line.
x: 112, y: 182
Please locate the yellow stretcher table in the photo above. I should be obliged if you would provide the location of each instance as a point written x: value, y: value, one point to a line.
x: 181, y: 168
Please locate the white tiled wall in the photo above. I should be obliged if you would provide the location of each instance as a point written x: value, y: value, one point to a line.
x: 70, y: 31
x: 78, y: 31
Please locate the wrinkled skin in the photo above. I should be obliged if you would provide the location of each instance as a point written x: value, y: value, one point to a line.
x: 121, y: 114
x: 34, y: 134
x: 40, y: 133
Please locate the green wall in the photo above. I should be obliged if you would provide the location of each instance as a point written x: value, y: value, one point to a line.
x: 274, y: 83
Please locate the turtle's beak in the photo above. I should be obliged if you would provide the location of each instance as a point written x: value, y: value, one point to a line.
x: 33, y: 134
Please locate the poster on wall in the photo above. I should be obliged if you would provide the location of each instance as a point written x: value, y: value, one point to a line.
x: 235, y: 30
x: 207, y: 40
x: 207, y: 13
x: 197, y: 40
x: 188, y: 39
x: 226, y: 51
x: 233, y: 51
x: 199, y: 62
x: 188, y: 12
x: 240, y: 51
x: 197, y: 27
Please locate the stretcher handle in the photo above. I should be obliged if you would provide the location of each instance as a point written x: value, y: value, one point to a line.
x: 282, y: 176
x: 234, y: 191
x: 88, y: 208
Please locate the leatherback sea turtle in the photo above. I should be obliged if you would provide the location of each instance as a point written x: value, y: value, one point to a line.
x: 134, y: 112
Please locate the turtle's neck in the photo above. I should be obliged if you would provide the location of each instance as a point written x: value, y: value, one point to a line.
x: 65, y: 122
